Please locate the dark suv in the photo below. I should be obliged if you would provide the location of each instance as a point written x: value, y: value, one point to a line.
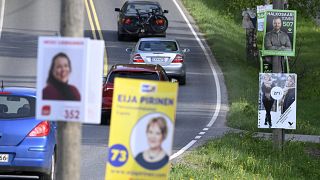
x: 141, y: 18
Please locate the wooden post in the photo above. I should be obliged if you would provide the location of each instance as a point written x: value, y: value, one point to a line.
x: 249, y: 23
x: 278, y: 134
x: 69, y: 133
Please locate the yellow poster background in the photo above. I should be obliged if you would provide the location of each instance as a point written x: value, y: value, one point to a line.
x: 134, y: 102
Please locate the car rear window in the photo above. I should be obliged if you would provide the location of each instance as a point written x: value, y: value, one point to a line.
x: 143, y: 8
x: 134, y: 75
x: 16, y: 107
x: 158, y: 46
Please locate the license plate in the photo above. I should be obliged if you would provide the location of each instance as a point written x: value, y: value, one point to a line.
x: 158, y: 59
x: 4, y: 157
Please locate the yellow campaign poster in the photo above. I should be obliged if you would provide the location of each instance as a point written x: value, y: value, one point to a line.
x: 141, y: 130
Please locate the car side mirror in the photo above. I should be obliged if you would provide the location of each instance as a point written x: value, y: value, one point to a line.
x: 186, y: 50
x: 165, y: 11
x: 117, y: 9
x: 129, y: 50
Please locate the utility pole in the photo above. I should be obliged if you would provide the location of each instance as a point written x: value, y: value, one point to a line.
x: 277, y: 61
x: 69, y: 133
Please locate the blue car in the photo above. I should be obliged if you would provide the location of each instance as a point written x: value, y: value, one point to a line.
x: 27, y: 146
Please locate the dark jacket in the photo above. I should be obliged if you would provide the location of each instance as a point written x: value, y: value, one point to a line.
x: 288, y: 99
x: 277, y: 41
x: 151, y: 165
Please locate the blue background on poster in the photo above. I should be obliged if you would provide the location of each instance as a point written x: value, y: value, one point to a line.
x: 118, y: 155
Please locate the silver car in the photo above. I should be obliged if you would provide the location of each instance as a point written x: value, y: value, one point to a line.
x: 163, y: 51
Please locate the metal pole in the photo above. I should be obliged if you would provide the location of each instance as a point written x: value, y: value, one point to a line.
x: 69, y: 133
x: 277, y: 134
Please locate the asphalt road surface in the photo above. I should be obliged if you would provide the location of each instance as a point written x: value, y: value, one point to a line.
x: 202, y: 101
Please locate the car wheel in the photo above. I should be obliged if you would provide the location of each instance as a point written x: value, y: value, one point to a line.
x: 52, y: 174
x: 182, y: 80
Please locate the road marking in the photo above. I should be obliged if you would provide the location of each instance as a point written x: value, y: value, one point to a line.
x: 216, y: 79
x: 205, y: 129
x: 202, y: 133
x: 197, y: 137
x: 3, y: 2
x: 181, y: 151
x: 95, y: 22
x: 90, y: 21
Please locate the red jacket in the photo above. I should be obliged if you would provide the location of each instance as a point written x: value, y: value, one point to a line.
x: 53, y: 93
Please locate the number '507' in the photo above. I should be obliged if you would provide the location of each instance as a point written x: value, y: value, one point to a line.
x: 287, y: 24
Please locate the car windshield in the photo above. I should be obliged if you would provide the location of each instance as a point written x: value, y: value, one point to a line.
x: 134, y: 75
x: 158, y: 46
x: 143, y: 8
x: 16, y: 107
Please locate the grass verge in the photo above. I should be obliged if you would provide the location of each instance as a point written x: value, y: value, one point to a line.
x: 226, y: 38
x: 240, y: 156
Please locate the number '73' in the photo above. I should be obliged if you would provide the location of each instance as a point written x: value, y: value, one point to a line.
x: 116, y: 153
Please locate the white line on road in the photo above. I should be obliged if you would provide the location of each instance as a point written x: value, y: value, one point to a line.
x: 214, y: 73
x: 183, y: 149
x: 202, y: 133
x: 205, y: 129
x: 2, y: 15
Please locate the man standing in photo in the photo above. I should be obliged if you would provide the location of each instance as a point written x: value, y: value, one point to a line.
x: 277, y: 39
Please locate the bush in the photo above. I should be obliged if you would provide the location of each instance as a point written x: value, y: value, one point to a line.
x: 305, y: 8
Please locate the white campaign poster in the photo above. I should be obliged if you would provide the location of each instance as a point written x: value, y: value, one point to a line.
x: 63, y: 78
x: 94, y: 80
x: 277, y: 100
x: 261, y: 14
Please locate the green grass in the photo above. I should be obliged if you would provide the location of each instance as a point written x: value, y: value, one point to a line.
x: 240, y: 156
x: 226, y: 38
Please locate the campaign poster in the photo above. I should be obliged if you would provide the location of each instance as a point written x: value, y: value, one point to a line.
x: 261, y: 13
x: 63, y: 78
x: 141, y: 131
x: 279, y: 33
x: 94, y: 81
x: 277, y: 100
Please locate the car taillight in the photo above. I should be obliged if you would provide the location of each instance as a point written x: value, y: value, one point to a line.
x: 126, y: 21
x: 42, y: 129
x: 159, y: 22
x: 137, y: 58
x: 178, y: 59
x: 4, y: 93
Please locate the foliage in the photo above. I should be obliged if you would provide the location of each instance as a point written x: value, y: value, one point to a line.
x: 226, y: 38
x: 305, y: 8
x: 241, y: 156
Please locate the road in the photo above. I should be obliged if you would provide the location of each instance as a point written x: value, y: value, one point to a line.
x: 202, y: 101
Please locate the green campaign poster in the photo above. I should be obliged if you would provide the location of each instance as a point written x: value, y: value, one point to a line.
x: 279, y: 33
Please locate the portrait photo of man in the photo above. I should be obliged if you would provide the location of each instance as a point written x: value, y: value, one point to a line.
x: 277, y: 39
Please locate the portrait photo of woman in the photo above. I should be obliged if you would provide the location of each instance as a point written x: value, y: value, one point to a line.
x: 289, y: 94
x: 267, y: 99
x: 154, y: 157
x: 57, y: 84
